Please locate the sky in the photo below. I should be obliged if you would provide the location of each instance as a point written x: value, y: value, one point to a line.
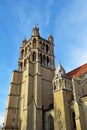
x: 65, y: 19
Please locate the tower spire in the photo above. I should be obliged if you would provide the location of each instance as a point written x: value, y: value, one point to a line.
x: 60, y: 71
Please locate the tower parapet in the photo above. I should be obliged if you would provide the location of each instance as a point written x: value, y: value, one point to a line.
x: 36, y: 49
x: 60, y: 80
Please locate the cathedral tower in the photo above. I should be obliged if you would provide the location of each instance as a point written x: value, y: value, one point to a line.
x: 31, y: 90
x: 41, y: 100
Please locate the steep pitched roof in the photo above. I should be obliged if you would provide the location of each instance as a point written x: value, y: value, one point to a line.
x: 77, y: 72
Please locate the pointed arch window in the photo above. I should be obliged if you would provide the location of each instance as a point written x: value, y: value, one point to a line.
x: 34, y: 56
x: 43, y: 46
x: 40, y: 58
x: 46, y: 47
x: 44, y: 60
x: 25, y: 63
x: 22, y: 53
x: 34, y: 43
x: 74, y: 123
x: 48, y: 61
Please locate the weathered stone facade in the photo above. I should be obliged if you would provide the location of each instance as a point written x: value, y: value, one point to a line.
x: 41, y: 98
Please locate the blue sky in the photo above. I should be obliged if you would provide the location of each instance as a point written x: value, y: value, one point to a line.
x: 65, y: 19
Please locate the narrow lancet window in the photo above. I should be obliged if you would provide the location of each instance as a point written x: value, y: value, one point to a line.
x: 74, y: 123
x: 34, y: 56
x: 34, y: 43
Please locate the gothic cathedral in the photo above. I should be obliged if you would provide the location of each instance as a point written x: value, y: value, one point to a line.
x: 42, y: 98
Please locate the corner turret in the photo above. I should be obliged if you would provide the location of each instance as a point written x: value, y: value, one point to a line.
x: 60, y: 80
x: 50, y: 38
x: 24, y: 41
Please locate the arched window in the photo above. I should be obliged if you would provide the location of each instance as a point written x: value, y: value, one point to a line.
x: 34, y: 43
x: 44, y: 60
x: 48, y: 62
x: 74, y: 123
x: 22, y: 53
x: 43, y: 46
x: 46, y: 47
x: 34, y: 56
x: 50, y: 123
x: 40, y: 58
x: 25, y: 63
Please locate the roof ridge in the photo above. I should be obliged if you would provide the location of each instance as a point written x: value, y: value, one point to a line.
x: 77, y: 71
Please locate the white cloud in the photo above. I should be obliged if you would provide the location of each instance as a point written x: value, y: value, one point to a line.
x: 30, y: 13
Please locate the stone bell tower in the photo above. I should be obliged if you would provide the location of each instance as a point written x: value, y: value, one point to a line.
x: 35, y: 75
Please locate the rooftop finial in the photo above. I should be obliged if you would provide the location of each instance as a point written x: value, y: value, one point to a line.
x: 35, y: 31
x: 24, y: 41
x: 25, y: 37
x: 36, y: 25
